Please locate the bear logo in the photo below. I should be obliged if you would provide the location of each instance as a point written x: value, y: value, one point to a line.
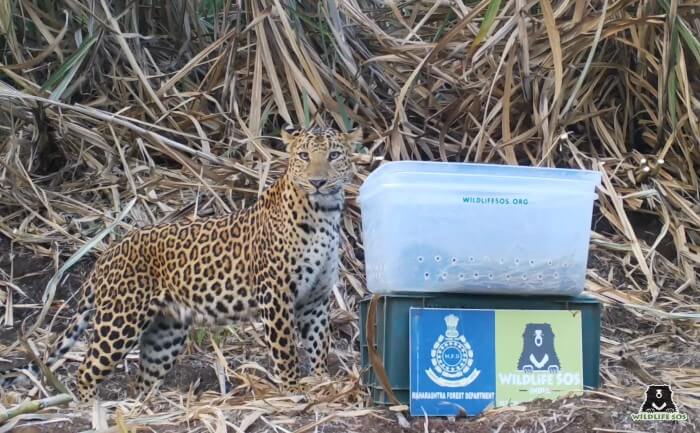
x: 538, y: 349
x: 658, y: 398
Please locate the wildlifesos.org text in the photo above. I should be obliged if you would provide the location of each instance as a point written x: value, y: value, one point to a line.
x: 503, y: 201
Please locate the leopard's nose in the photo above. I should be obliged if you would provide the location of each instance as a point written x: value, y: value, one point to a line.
x: 318, y: 183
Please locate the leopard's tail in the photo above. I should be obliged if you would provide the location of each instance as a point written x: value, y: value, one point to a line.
x: 78, y: 325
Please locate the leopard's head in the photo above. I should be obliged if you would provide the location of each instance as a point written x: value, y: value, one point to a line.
x: 319, y: 159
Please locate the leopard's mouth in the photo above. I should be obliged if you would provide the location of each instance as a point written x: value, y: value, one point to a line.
x: 331, y: 191
x: 325, y: 191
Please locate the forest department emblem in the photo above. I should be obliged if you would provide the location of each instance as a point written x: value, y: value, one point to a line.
x: 452, y: 357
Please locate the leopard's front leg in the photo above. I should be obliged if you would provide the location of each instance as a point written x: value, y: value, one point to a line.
x: 278, y: 319
x: 313, y: 320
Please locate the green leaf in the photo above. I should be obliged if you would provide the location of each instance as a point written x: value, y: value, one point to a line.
x: 672, y: 77
x: 672, y: 97
x: 685, y: 33
x: 59, y: 80
x: 307, y: 110
x: 489, y: 19
x: 211, y: 7
x: 689, y: 38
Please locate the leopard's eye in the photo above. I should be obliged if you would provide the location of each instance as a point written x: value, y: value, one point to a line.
x: 303, y: 156
x: 333, y: 155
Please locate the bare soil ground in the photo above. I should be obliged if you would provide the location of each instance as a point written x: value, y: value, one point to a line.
x: 626, y: 366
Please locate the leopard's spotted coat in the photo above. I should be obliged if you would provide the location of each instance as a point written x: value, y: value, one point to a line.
x: 278, y: 258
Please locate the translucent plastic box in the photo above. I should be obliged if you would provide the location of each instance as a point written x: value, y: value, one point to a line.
x: 476, y: 228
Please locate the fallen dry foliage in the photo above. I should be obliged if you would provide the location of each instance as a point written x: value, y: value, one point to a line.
x: 166, y: 109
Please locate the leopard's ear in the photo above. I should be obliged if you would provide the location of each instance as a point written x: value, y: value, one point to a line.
x: 353, y: 137
x: 287, y: 135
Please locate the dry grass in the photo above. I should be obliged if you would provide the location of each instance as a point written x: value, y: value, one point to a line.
x: 165, y: 109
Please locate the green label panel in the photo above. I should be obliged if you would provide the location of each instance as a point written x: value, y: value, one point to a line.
x: 538, y: 355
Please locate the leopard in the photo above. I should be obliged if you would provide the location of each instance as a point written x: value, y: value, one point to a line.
x: 276, y: 260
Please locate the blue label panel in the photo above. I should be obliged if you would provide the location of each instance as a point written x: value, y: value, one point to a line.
x: 452, y: 361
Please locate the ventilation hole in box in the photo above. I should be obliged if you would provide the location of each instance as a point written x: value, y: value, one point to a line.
x: 501, y: 261
x: 549, y: 262
x: 566, y: 265
x: 426, y: 275
x: 472, y: 259
x: 444, y: 275
x: 420, y: 259
x: 438, y: 258
x: 556, y: 275
x: 532, y: 263
x: 540, y: 277
x: 476, y: 275
x: 508, y: 277
x: 524, y: 277
x: 461, y: 276
x: 454, y: 260
x: 491, y: 276
x: 517, y: 261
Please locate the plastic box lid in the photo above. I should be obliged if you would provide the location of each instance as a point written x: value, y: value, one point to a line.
x: 491, y: 176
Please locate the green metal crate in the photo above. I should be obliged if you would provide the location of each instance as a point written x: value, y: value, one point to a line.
x: 392, y: 338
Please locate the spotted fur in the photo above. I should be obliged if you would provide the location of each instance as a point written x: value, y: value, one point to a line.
x: 277, y: 259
